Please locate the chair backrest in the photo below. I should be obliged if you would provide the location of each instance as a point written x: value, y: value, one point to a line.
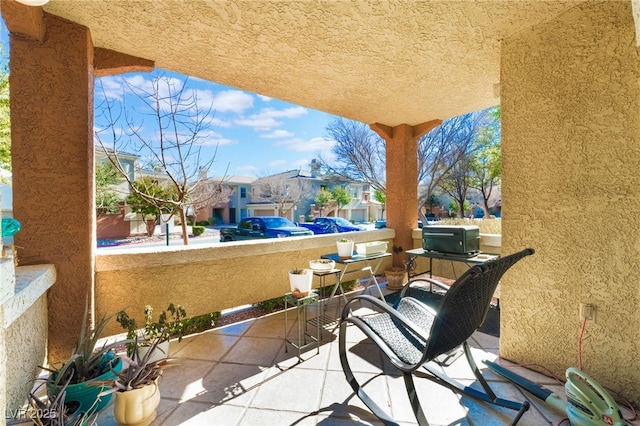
x: 466, y: 304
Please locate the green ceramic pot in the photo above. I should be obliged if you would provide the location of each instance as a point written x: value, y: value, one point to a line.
x: 83, y: 397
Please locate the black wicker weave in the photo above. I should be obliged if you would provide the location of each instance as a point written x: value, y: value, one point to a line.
x: 413, y: 334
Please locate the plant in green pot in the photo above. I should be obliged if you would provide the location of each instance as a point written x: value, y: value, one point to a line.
x: 89, y: 363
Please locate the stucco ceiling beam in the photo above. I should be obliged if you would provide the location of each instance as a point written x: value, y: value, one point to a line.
x: 419, y: 130
x: 23, y: 21
x: 109, y: 62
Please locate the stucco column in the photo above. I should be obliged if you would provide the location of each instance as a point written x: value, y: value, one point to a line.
x: 402, y: 181
x: 51, y: 85
x: 571, y: 190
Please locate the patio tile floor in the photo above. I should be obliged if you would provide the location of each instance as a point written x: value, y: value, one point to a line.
x: 242, y: 375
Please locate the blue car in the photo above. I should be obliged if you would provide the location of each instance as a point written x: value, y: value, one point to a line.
x: 331, y: 225
x: 254, y: 228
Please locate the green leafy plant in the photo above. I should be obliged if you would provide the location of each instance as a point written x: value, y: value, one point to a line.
x: 197, y: 230
x: 298, y: 271
x: 171, y: 323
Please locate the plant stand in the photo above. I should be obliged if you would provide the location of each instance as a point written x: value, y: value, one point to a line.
x: 301, y: 322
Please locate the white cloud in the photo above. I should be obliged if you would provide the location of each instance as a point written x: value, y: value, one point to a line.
x: 265, y: 98
x: 232, y: 100
x: 258, y: 123
x: 302, y: 145
x: 292, y: 112
x: 277, y: 134
x: 266, y: 119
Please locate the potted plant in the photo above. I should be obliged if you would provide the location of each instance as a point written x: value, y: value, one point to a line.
x: 136, y: 388
x: 345, y: 248
x: 46, y: 409
x: 77, y: 376
x: 395, y: 276
x: 171, y: 323
x: 300, y: 281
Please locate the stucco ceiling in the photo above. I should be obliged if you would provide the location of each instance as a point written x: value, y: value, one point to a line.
x: 390, y: 62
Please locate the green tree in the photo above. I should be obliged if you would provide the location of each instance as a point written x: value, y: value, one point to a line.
x: 106, y: 198
x: 150, y: 199
x: 431, y: 201
x: 341, y: 196
x: 5, y: 117
x: 486, y: 164
x: 323, y: 199
x: 380, y: 197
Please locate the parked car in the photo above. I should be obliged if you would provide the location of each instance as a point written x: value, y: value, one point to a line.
x: 382, y: 223
x: 331, y: 225
x: 252, y: 228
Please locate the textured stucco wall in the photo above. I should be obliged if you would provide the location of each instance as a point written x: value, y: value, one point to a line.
x: 571, y: 190
x: 26, y: 345
x: 52, y: 160
x: 209, y: 279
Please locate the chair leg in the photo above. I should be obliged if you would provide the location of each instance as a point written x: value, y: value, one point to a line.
x: 487, y: 396
x: 359, y: 391
x: 413, y: 398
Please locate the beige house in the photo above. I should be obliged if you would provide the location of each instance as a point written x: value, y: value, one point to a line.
x: 565, y: 73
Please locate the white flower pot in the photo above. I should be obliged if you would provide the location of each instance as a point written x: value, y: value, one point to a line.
x: 301, y: 282
x: 345, y: 250
x: 161, y: 352
x: 138, y: 406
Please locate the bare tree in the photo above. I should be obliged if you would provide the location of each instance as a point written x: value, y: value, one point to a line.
x: 360, y: 152
x: 170, y: 139
x: 456, y: 182
x: 442, y: 149
x: 282, y: 190
x: 208, y: 194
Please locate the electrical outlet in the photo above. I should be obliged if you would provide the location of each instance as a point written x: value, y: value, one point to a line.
x: 587, y: 311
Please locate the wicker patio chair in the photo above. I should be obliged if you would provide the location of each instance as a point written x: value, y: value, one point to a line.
x: 413, y: 334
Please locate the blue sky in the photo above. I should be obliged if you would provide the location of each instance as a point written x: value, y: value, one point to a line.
x: 251, y: 134
x: 255, y: 135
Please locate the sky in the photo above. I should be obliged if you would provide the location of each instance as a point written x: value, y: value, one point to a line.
x: 250, y: 134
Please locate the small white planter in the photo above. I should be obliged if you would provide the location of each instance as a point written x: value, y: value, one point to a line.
x: 138, y: 406
x: 345, y: 249
x: 161, y: 352
x: 301, y: 283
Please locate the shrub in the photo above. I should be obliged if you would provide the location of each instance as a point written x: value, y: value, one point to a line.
x: 271, y: 305
x: 202, y: 223
x: 212, y: 221
x: 197, y: 230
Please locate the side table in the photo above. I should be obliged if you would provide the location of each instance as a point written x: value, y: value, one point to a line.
x: 304, y: 337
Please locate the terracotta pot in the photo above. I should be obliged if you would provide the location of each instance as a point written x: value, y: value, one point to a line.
x: 138, y: 406
x: 395, y: 277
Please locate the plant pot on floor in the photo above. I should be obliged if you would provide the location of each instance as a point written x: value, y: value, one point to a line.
x: 161, y: 351
x: 137, y: 406
x: 395, y: 277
